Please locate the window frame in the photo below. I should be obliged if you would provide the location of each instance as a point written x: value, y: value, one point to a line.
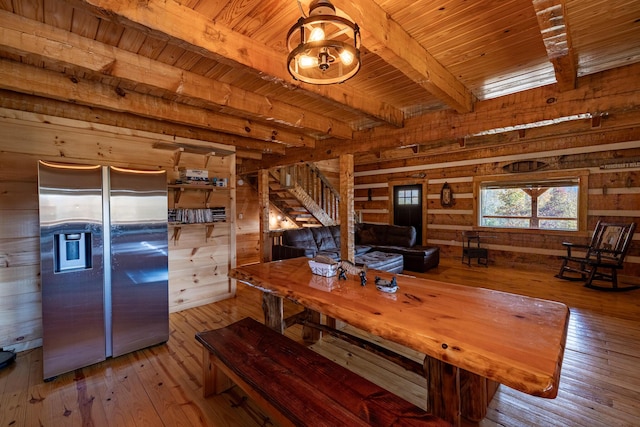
x: 583, y: 188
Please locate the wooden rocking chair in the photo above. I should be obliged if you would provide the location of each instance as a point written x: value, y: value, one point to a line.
x: 609, y: 245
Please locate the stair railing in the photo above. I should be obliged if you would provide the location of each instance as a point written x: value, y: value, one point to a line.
x: 316, y: 186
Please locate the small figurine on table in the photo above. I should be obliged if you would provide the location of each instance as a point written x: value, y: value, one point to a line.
x: 363, y: 278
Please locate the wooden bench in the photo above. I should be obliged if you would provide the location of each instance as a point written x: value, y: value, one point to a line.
x: 297, y: 386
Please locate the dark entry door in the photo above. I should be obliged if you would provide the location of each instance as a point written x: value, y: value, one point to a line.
x: 407, y: 207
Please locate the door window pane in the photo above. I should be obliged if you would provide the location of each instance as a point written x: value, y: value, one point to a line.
x: 408, y: 197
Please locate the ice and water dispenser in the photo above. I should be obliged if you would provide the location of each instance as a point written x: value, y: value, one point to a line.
x: 72, y: 251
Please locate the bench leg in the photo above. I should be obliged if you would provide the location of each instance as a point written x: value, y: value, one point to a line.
x: 443, y: 394
x: 214, y: 381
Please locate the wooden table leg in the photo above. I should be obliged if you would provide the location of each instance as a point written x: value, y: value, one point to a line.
x: 443, y: 388
x: 273, y: 308
x: 311, y: 335
x: 473, y: 396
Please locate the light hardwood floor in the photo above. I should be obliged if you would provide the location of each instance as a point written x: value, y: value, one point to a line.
x: 162, y: 386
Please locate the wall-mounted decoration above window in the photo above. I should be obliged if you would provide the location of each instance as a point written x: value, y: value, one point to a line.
x: 525, y: 166
x: 446, y: 196
x: 621, y: 165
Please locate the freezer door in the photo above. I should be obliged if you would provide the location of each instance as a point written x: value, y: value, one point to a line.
x: 139, y: 260
x: 71, y: 238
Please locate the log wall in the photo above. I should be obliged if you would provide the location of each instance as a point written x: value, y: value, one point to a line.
x: 613, y: 194
x: 198, y: 264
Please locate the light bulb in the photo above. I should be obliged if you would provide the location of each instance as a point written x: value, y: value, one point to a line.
x: 346, y: 57
x: 306, y: 61
x: 317, y: 34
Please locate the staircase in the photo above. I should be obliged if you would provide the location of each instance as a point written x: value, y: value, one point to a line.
x: 303, y: 194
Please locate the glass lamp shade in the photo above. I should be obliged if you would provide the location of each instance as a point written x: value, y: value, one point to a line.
x: 323, y: 49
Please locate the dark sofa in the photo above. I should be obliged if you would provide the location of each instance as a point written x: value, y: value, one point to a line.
x: 370, y: 239
x: 313, y: 241
x: 399, y: 240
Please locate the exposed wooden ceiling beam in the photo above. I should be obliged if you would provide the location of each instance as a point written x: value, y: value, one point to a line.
x: 618, y: 90
x: 28, y: 37
x: 622, y: 123
x: 450, y: 148
x: 19, y: 102
x: 32, y: 80
x: 385, y: 37
x: 552, y: 19
x: 195, y: 32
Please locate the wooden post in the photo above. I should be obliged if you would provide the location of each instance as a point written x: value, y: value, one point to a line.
x: 346, y: 218
x: 346, y: 208
x: 232, y: 218
x: 263, y: 196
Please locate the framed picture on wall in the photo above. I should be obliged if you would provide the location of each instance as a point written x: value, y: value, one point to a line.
x: 446, y: 196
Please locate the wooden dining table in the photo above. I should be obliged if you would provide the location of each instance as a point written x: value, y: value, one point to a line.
x: 469, y: 335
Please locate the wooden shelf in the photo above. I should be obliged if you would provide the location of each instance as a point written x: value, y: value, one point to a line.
x: 208, y: 190
x: 178, y: 226
x: 178, y: 189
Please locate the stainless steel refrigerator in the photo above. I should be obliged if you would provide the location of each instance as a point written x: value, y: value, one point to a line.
x: 104, y: 263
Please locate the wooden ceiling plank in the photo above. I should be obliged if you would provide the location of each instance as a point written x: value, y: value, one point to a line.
x: 58, y: 14
x: 39, y: 39
x: 555, y: 33
x: 30, y: 9
x: 109, y: 33
x: 265, y: 23
x: 84, y: 24
x: 131, y: 39
x: 390, y: 41
x: 32, y: 80
x: 6, y: 5
x: 192, y: 30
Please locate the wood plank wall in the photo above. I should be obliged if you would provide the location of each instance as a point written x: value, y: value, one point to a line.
x: 247, y: 225
x: 613, y: 194
x: 198, y: 264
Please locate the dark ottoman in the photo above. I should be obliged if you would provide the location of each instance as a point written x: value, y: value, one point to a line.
x: 393, y: 263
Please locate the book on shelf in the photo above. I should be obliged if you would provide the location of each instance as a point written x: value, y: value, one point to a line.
x: 197, y: 216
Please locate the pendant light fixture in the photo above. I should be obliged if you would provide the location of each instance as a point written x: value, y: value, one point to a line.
x: 323, y: 48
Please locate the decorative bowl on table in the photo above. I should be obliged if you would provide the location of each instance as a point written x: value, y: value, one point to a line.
x: 323, y: 266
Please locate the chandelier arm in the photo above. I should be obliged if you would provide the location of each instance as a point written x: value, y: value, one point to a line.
x: 300, y: 7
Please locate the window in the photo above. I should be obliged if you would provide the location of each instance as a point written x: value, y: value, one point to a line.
x: 541, y: 204
x: 409, y: 197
